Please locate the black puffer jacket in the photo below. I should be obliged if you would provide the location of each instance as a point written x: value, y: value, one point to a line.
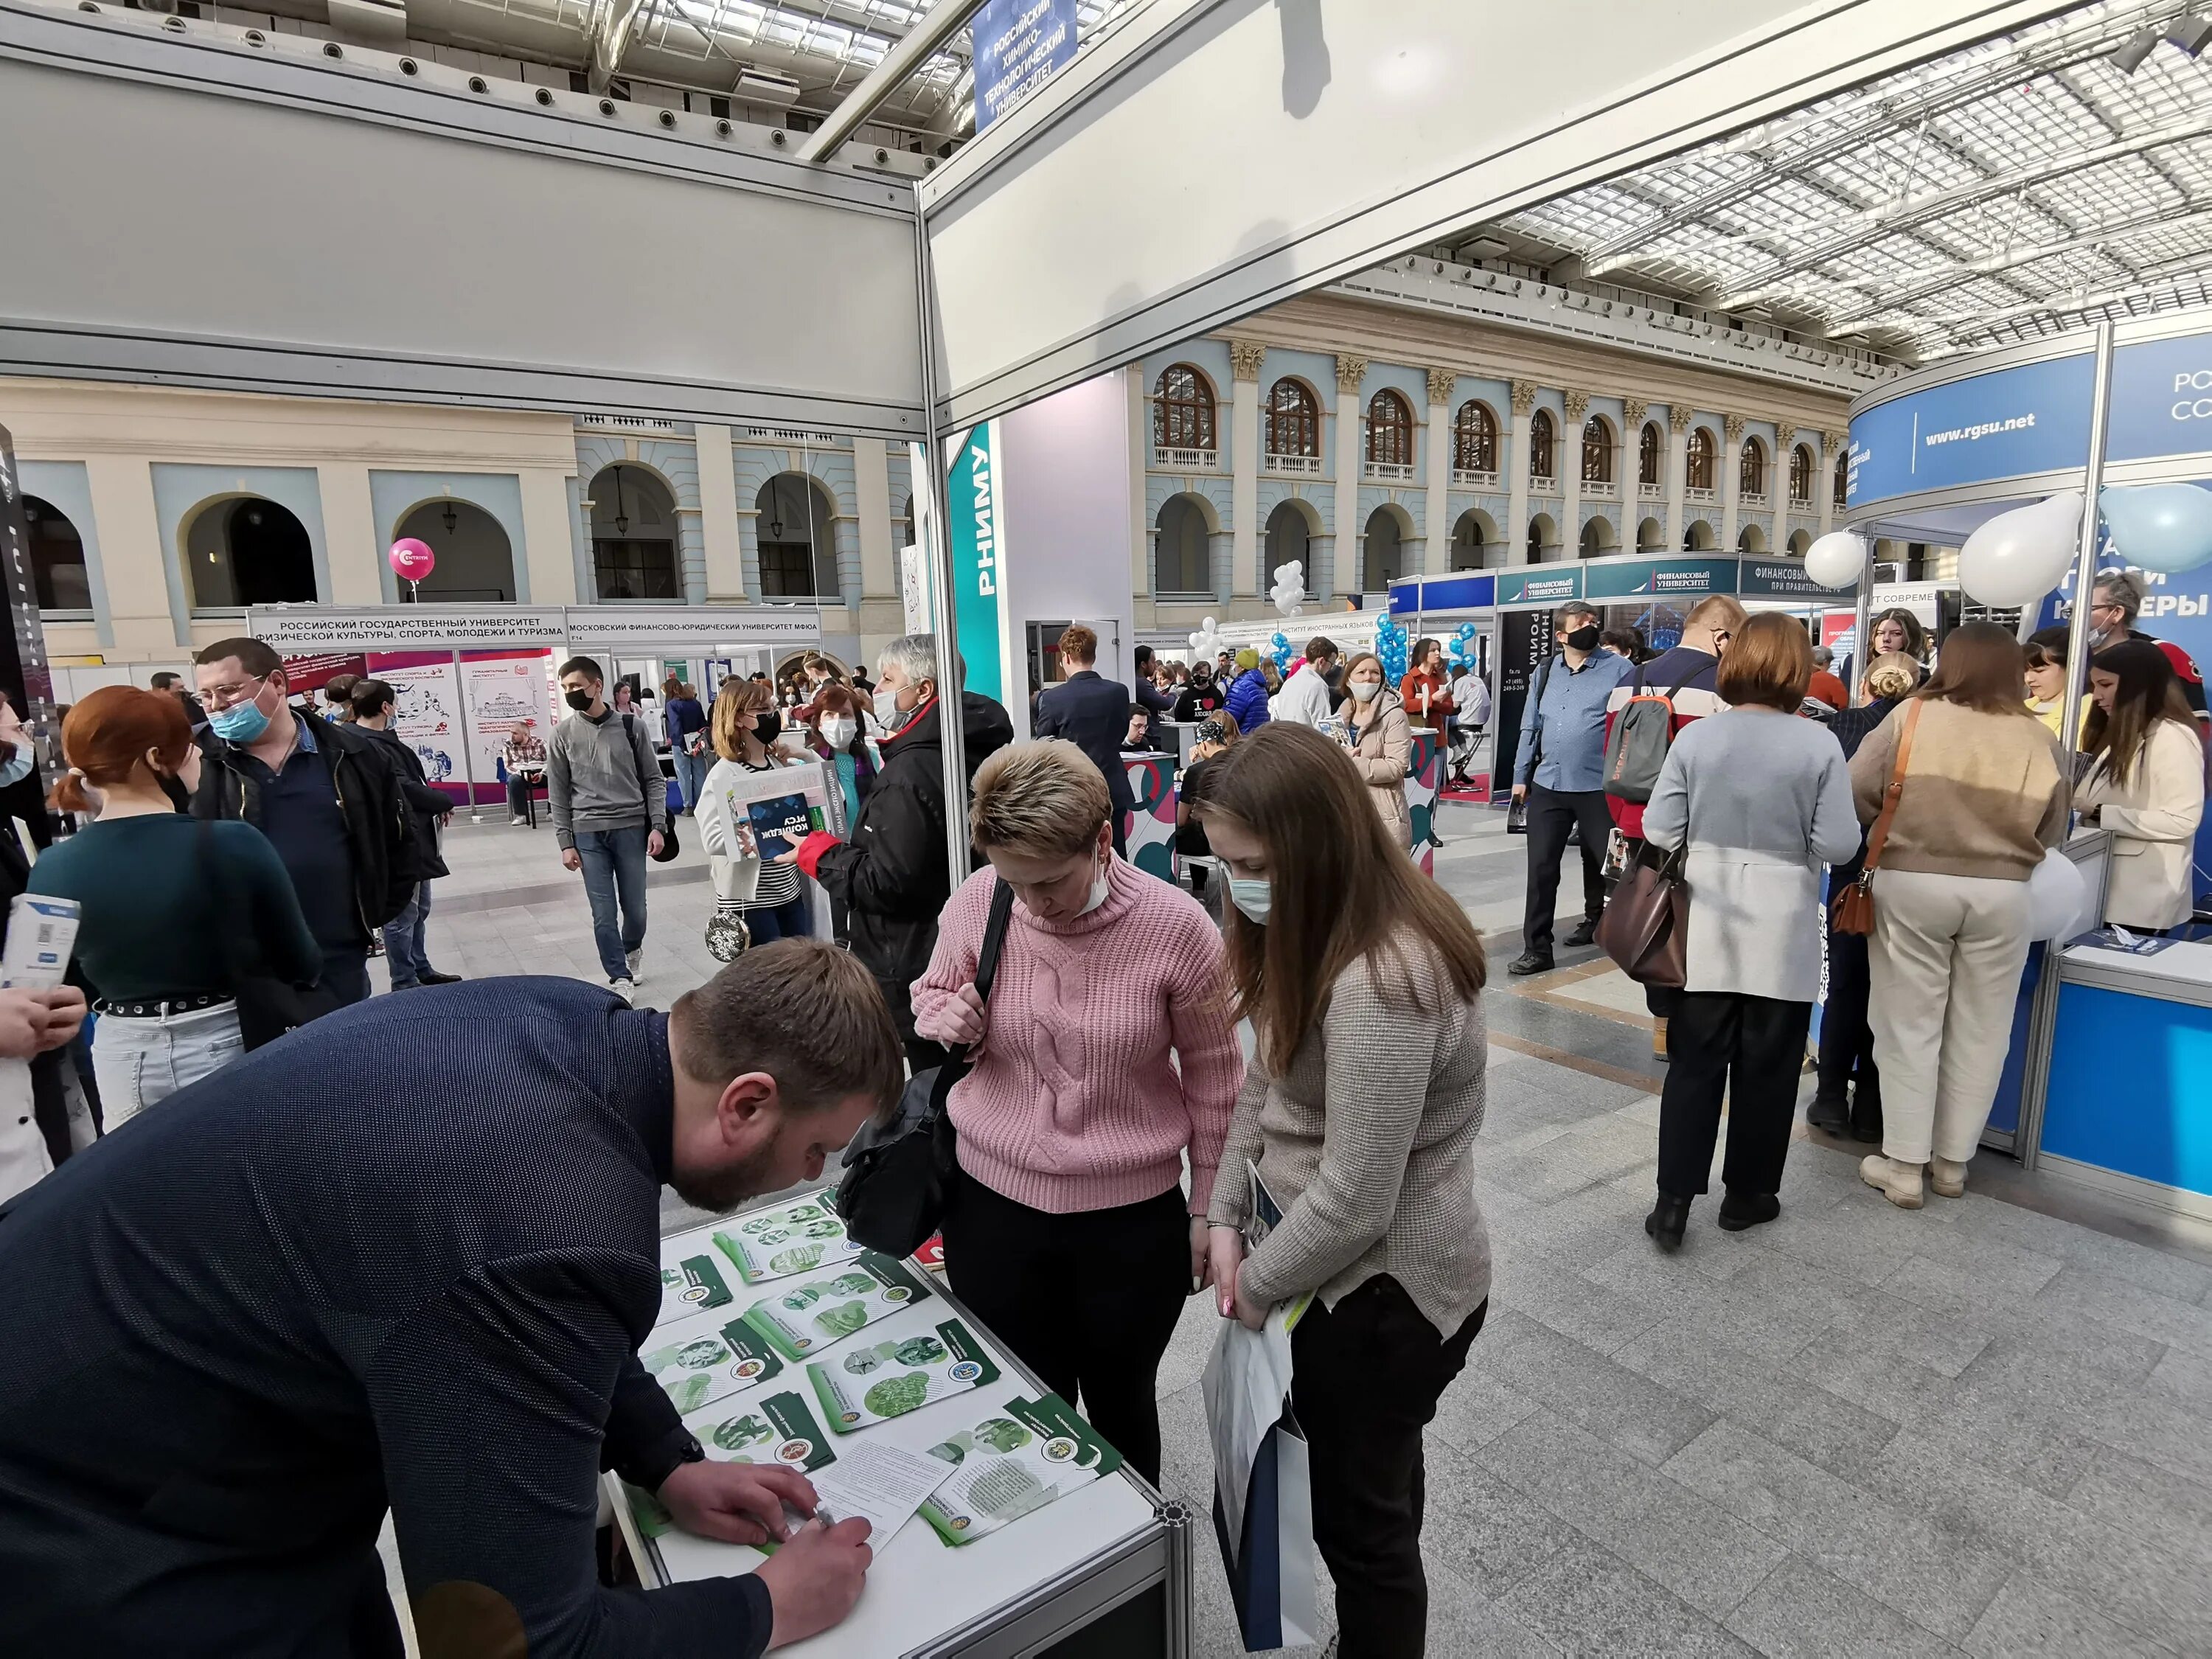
x: 427, y: 808
x: 889, y: 879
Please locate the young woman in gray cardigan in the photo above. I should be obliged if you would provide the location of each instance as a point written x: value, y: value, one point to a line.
x: 1763, y: 799
x: 1363, y: 981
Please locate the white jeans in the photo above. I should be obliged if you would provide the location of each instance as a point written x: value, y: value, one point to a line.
x: 139, y: 1061
x: 1943, y: 969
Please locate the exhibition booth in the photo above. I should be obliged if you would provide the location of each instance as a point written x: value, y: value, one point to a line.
x: 2048, y: 463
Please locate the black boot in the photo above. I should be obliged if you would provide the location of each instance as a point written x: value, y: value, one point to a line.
x: 1528, y: 962
x: 1668, y: 1218
x: 1743, y: 1209
x: 1585, y: 934
x: 1829, y: 1111
x: 1866, y: 1112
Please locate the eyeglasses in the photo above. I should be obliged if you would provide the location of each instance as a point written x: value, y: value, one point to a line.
x: 215, y: 698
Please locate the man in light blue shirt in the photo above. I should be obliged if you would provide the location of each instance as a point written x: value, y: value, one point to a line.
x: 1559, y: 772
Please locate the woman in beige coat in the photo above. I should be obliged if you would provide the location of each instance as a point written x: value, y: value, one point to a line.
x: 2145, y: 783
x: 1382, y: 743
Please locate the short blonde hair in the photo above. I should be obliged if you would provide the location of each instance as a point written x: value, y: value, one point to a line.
x: 1043, y: 799
x: 735, y: 706
x: 1892, y: 674
x: 1717, y: 613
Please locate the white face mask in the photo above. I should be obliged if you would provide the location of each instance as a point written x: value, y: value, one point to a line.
x: 888, y: 712
x: 837, y: 731
x: 1101, y: 885
x: 1364, y: 690
x: 1253, y: 895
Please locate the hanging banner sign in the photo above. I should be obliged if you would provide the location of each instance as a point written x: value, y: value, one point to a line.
x: 2161, y: 398
x: 2008, y: 423
x: 310, y: 629
x: 1424, y: 593
x: 690, y: 628
x: 973, y: 490
x: 1539, y: 584
x: 1782, y: 578
x: 1638, y: 578
x: 1017, y: 45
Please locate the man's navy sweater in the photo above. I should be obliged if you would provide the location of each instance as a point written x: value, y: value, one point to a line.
x: 403, y: 1257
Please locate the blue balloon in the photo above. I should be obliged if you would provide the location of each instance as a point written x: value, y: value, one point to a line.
x: 2162, y: 527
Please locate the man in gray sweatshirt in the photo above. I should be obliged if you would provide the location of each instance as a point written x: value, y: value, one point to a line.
x: 603, y: 783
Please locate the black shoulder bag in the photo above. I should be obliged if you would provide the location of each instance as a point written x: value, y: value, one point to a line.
x: 1516, y: 814
x: 667, y: 824
x: 900, y: 1171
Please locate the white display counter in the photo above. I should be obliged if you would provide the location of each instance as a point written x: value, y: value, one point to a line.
x: 1104, y: 1571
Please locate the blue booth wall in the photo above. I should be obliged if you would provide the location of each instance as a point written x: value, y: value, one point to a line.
x: 2131, y: 1086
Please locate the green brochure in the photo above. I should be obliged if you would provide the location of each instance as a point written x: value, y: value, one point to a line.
x: 700, y: 1362
x: 763, y: 1428
x: 806, y: 1317
x: 900, y: 1375
x: 1013, y: 1463
x: 692, y: 1285
x: 790, y: 1238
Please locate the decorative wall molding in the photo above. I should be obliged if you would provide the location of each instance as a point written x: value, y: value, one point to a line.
x: 1680, y: 417
x: 1524, y: 396
x: 1351, y: 371
x: 1441, y: 384
x: 1632, y: 413
x: 1578, y: 407
x: 1732, y: 428
x: 1245, y: 358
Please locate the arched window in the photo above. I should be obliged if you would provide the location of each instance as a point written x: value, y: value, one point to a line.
x: 1474, y: 439
x: 1701, y: 458
x: 1293, y: 420
x: 1750, y: 479
x: 632, y: 535
x: 791, y: 523
x: 1389, y: 431
x: 1290, y: 540
x: 1843, y: 482
x: 1182, y: 411
x: 247, y: 551
x: 1184, y: 563
x: 1650, y: 448
x: 1801, y: 476
x: 58, y: 572
x: 476, y: 561
x: 1597, y: 450
x: 1543, y: 446
x: 1385, y: 550
x: 1473, y: 538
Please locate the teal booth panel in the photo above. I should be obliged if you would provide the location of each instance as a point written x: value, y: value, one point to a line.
x: 2131, y: 1086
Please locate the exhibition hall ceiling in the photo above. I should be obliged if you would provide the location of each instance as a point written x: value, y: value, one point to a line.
x: 2021, y: 188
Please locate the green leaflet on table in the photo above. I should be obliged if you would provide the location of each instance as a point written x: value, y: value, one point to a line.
x: 651, y: 1515
x: 700, y: 1362
x: 853, y: 1396
x: 693, y: 1285
x: 758, y: 1428
x: 1015, y: 1460
x: 806, y: 1317
x: 787, y: 1239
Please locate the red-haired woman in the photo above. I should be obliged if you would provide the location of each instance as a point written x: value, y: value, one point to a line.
x: 173, y: 910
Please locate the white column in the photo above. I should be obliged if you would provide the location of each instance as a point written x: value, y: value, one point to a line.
x: 1517, y: 509
x: 1571, y: 464
x: 872, y: 484
x: 1678, y: 473
x: 1778, y: 487
x: 1437, y: 557
x: 1731, y: 477
x: 348, y: 535
x: 717, y: 513
x: 1832, y: 461
x: 548, y: 546
x: 1246, y: 579
x: 1140, y: 461
x: 1627, y: 475
x: 1346, y: 576
x: 136, y: 563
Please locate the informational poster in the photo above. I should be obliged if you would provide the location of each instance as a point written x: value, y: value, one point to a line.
x: 1524, y: 640
x: 1017, y: 46
x: 974, y: 490
x: 427, y: 712
x: 505, y: 690
x: 2008, y: 423
x: 313, y: 673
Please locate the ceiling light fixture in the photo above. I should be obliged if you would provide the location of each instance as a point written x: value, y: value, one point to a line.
x: 2191, y: 33
x: 451, y: 518
x: 622, y: 519
x: 2128, y: 57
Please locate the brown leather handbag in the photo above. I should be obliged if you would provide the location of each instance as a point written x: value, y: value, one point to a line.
x: 1646, y: 924
x: 1852, y: 910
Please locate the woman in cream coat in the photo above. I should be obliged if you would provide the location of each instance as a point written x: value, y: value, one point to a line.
x: 1382, y: 743
x: 2146, y: 784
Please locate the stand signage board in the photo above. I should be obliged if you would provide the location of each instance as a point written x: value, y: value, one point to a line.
x: 1638, y: 578
x: 677, y: 627
x: 2010, y: 423
x: 305, y: 630
x: 2161, y: 398
x: 1783, y: 579
x: 1524, y: 640
x: 1017, y: 45
x: 1539, y: 584
x: 1426, y: 594
x: 973, y: 490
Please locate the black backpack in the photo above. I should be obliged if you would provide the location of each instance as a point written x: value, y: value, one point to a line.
x: 1636, y: 749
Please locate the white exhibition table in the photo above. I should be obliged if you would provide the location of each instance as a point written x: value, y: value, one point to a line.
x: 1015, y: 1592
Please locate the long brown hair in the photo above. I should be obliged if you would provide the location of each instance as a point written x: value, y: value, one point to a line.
x: 2150, y: 691
x: 1981, y: 666
x: 110, y: 731
x: 1343, y: 889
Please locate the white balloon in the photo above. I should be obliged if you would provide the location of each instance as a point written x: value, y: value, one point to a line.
x: 2057, y: 898
x: 1209, y: 624
x: 1836, y: 559
x: 2017, y: 557
x: 1197, y: 639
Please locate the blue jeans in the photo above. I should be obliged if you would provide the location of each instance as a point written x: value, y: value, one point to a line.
x: 691, y: 779
x: 404, y: 948
x: 792, y: 918
x: 140, y: 1061
x: 614, y: 866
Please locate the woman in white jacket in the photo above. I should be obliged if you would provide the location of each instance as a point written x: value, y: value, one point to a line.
x: 2145, y: 783
x: 767, y: 895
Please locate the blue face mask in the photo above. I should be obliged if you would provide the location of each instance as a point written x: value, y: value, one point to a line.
x: 16, y: 767
x: 242, y: 722
x: 1253, y: 896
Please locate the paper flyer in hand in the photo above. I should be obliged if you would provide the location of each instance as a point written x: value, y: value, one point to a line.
x: 41, y: 933
x: 808, y: 1316
x: 1014, y: 1462
x: 784, y: 805
x: 790, y: 1238
x: 759, y: 1427
x: 899, y: 1375
x: 693, y: 1285
x: 699, y: 1362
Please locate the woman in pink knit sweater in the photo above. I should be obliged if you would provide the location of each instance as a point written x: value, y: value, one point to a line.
x: 1107, y: 1057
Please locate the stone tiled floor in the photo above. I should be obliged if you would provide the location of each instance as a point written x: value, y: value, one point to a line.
x: 1979, y: 1428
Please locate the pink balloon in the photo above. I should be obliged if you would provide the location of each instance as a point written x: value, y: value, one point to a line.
x: 412, y: 559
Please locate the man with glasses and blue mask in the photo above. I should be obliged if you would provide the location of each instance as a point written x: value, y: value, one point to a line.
x: 325, y: 796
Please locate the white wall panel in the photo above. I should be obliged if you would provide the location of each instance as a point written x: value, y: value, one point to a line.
x: 186, y: 210
x: 1208, y: 157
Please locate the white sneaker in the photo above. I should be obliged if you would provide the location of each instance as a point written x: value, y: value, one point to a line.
x: 626, y: 989
x: 637, y: 975
x: 517, y: 823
